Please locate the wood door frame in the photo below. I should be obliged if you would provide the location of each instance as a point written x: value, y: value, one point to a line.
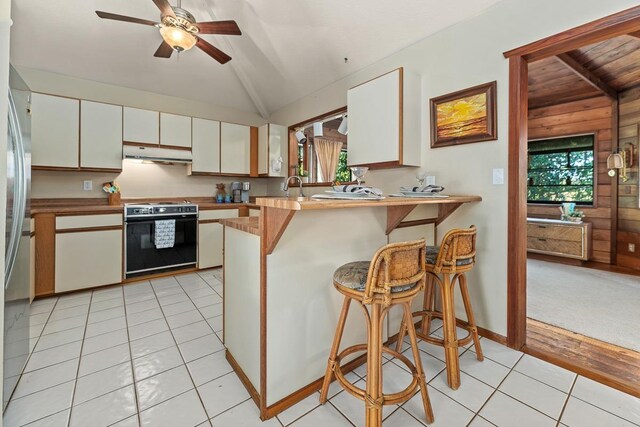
x: 624, y: 22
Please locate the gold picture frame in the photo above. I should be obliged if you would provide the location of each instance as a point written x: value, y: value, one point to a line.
x: 464, y: 117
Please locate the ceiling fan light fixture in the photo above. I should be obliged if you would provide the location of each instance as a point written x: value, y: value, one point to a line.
x: 179, y: 39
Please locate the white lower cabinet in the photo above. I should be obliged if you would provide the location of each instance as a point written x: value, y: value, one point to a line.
x: 86, y: 259
x: 210, y: 236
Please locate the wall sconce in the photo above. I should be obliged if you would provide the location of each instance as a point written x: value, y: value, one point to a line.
x: 621, y: 159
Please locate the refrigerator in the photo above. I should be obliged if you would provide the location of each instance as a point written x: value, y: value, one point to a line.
x: 18, y: 247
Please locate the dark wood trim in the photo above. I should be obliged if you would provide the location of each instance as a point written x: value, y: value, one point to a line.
x: 444, y: 210
x: 555, y: 259
x: 395, y: 215
x: 615, y: 128
x: 253, y: 152
x: 586, y: 75
x: 381, y: 165
x: 146, y: 144
x: 606, y: 363
x: 89, y: 229
x: 517, y: 203
x: 400, y: 116
x: 220, y: 174
x: 209, y: 221
x: 243, y: 378
x: 624, y: 22
x: 307, y: 122
x: 490, y: 90
x: 45, y: 254
x: 68, y: 169
x: 273, y: 223
x: 492, y: 336
x: 262, y: 220
x: 417, y: 222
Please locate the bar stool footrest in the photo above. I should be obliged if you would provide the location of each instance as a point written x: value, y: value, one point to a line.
x: 439, y: 341
x: 386, y: 399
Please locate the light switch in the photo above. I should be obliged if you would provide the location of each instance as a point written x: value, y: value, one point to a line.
x: 430, y: 180
x: 88, y: 185
x: 498, y: 176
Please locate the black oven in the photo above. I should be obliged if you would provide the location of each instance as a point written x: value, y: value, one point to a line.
x: 143, y: 255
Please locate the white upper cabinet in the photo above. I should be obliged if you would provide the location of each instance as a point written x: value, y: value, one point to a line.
x: 142, y: 126
x: 100, y: 135
x: 272, y: 150
x: 235, y: 149
x: 384, y: 121
x: 175, y: 130
x: 55, y: 131
x: 206, y: 146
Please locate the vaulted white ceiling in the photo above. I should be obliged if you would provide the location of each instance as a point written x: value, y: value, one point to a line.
x: 289, y: 48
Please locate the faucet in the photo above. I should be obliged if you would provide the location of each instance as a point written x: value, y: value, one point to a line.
x: 285, y: 187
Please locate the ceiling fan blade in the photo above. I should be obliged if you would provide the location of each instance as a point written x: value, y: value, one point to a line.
x: 213, y: 51
x: 219, y: 27
x: 164, y: 51
x: 107, y: 15
x: 165, y: 8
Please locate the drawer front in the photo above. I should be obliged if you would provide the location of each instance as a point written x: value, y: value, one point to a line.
x: 88, y: 221
x: 556, y: 232
x: 557, y: 247
x: 217, y: 214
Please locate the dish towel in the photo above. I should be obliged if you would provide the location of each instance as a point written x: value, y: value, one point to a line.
x: 165, y: 233
x: 423, y: 189
x: 358, y: 189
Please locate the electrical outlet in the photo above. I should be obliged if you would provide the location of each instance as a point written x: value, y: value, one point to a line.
x: 632, y: 247
x: 498, y: 176
x: 87, y: 185
x: 430, y: 180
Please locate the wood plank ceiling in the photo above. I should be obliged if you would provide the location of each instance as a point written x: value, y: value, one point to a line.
x: 612, y: 65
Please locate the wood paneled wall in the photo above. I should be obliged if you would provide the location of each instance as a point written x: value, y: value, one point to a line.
x: 628, y: 192
x: 592, y: 115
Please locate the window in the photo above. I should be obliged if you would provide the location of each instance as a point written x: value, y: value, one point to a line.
x: 561, y: 170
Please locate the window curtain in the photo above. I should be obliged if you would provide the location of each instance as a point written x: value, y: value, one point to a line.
x: 328, y: 153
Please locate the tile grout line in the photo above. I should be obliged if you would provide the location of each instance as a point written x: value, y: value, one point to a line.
x: 75, y: 383
x: 133, y: 374
x: 573, y: 384
x: 602, y: 409
x: 181, y: 355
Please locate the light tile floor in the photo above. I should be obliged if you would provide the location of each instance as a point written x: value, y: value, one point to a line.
x: 150, y: 354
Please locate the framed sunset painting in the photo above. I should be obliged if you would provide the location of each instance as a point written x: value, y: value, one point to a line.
x: 465, y: 116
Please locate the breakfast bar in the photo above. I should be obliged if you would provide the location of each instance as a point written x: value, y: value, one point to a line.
x: 280, y: 311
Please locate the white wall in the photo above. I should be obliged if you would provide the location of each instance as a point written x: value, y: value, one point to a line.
x: 136, y: 180
x: 464, y: 55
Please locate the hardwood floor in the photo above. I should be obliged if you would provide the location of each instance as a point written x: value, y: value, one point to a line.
x: 615, y: 366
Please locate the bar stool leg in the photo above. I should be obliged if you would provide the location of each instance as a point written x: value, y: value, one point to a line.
x: 427, y: 305
x: 462, y: 279
x: 450, y: 334
x: 328, y: 376
x: 401, y: 333
x: 428, y: 411
x: 373, y: 396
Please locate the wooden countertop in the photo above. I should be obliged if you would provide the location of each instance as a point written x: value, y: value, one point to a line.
x: 307, y: 203
x: 80, y: 206
x: 249, y: 224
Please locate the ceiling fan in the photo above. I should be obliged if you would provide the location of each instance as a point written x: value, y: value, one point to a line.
x: 179, y: 30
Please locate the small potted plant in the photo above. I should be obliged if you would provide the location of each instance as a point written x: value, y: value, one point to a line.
x: 575, y: 216
x: 304, y: 176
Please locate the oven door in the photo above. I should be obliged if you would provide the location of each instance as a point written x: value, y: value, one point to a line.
x: 141, y: 254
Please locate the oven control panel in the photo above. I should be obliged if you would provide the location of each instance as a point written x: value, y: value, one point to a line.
x: 159, y: 210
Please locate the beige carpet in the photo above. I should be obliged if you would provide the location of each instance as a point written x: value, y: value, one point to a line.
x: 594, y: 303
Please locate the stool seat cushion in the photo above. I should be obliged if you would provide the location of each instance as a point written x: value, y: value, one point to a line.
x: 354, y: 276
x: 431, y: 256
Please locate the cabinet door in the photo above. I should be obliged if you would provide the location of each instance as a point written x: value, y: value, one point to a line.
x: 100, y: 135
x: 278, y: 150
x: 141, y: 126
x: 86, y: 259
x: 375, y: 120
x: 175, y: 130
x: 55, y: 135
x: 206, y: 146
x: 210, y: 245
x: 235, y: 149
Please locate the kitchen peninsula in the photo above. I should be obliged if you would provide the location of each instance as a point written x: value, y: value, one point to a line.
x: 280, y: 308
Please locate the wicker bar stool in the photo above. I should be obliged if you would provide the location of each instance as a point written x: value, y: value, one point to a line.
x: 394, y: 277
x: 445, y: 266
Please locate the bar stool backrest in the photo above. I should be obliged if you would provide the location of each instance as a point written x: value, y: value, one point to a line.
x: 457, y: 251
x: 393, y: 265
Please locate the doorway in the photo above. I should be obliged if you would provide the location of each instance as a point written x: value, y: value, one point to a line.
x: 560, y: 47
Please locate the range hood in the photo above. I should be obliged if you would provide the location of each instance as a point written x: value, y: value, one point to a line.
x: 156, y: 154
